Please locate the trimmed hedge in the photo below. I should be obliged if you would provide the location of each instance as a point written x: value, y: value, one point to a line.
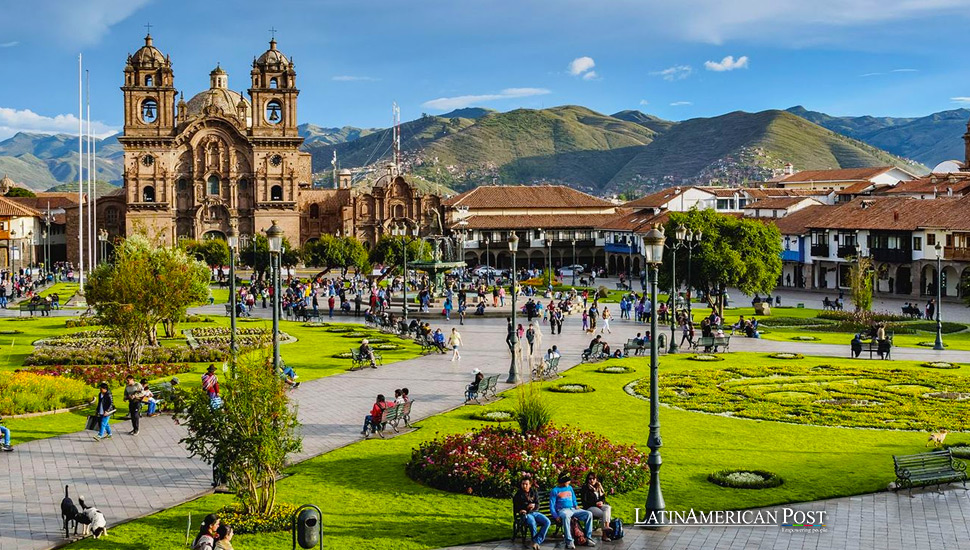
x: 745, y: 479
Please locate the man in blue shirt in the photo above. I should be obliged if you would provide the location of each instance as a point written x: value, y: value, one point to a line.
x: 562, y: 504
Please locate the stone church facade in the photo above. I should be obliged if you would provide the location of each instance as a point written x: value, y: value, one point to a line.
x: 193, y: 168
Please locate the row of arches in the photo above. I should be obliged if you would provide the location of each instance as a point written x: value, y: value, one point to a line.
x: 535, y: 258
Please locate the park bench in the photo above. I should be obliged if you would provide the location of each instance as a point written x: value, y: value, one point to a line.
x: 393, y: 417
x: 27, y: 306
x: 912, y: 312
x: 874, y: 346
x: 427, y: 344
x: 635, y: 346
x: 925, y: 469
x: 520, y: 529
x: 358, y: 361
x: 228, y: 309
x: 547, y: 369
x: 311, y: 314
x: 487, y: 388
x: 162, y: 391
x: 593, y: 354
x: 713, y: 342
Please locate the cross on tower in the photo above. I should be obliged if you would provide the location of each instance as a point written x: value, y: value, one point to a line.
x: 272, y: 31
x: 149, y: 27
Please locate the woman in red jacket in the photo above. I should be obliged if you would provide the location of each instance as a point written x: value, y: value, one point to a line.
x: 376, y: 414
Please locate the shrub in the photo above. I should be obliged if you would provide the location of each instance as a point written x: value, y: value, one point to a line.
x: 113, y: 355
x: 792, y: 321
x: 82, y: 322
x: 959, y: 450
x: 489, y: 461
x: 531, y: 410
x: 27, y: 392
x: 804, y: 338
x: 615, y: 369
x: 246, y: 523
x: 572, y: 387
x: 112, y: 374
x: 494, y: 416
x: 745, y: 479
x: 866, y: 318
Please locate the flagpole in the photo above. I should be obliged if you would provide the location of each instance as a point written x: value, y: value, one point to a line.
x: 90, y: 173
x: 80, y: 171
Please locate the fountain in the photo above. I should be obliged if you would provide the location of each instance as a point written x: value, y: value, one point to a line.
x: 445, y: 254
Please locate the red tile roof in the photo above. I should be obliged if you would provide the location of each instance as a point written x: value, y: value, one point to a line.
x: 658, y: 199
x: 525, y: 196
x: 544, y: 221
x: 761, y: 193
x: 887, y: 214
x: 839, y: 174
x: 12, y: 209
x: 937, y: 183
x: 634, y: 221
x: 771, y: 203
x: 797, y: 222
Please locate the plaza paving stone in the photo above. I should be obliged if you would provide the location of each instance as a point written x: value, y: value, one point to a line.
x: 128, y: 477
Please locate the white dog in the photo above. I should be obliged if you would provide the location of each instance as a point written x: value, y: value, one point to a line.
x: 92, y: 520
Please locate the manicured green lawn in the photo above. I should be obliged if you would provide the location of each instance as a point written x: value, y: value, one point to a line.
x: 955, y: 341
x: 310, y: 356
x: 369, y: 503
x: 65, y: 291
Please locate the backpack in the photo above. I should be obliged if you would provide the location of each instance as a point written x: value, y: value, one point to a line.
x: 617, y: 526
x: 579, y: 536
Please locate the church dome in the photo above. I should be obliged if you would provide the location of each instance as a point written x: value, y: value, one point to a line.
x: 219, y: 99
x: 272, y: 58
x: 148, y: 55
x: 6, y: 183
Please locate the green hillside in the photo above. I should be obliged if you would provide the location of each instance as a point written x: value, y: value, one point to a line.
x: 929, y: 140
x: 41, y: 161
x: 743, y: 146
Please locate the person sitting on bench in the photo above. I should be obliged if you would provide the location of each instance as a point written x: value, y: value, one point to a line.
x: 472, y: 390
x: 148, y: 397
x: 525, y: 504
x: 439, y: 340
x: 289, y: 376
x: 4, y: 438
x: 562, y: 504
x: 856, y: 345
x: 373, y: 420
x: 367, y: 353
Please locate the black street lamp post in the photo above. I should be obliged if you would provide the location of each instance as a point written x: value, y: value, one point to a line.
x: 680, y: 235
x: 513, y: 337
x: 693, y: 239
x: 573, y: 269
x: 938, y: 345
x: 549, y: 246
x: 274, y: 236
x: 653, y: 247
x: 233, y: 241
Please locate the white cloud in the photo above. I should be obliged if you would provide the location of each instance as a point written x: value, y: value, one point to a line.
x: 677, y: 72
x: 9, y: 44
x: 14, y: 120
x: 450, y: 103
x: 580, y: 65
x: 591, y: 75
x: 644, y: 102
x: 960, y: 99
x: 727, y: 64
x: 72, y: 23
x: 349, y: 78
x: 904, y: 71
x: 680, y: 103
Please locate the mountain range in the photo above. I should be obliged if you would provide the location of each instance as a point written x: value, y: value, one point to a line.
x: 626, y: 152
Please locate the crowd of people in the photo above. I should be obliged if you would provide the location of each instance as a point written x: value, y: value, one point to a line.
x: 564, y: 509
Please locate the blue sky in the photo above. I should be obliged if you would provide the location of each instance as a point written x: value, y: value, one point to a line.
x: 676, y: 60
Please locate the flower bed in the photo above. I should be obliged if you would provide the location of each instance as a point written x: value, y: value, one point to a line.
x: 785, y: 355
x: 315, y: 324
x: 338, y: 329
x: 113, y: 355
x: 386, y: 347
x: 28, y: 392
x: 792, y: 322
x: 939, y: 365
x: 489, y: 461
x: 615, y: 369
x: 572, y: 387
x: 705, y: 357
x: 803, y: 338
x: 6, y: 332
x: 201, y: 332
x: 82, y: 322
x: 493, y: 416
x: 930, y: 344
x: 243, y: 523
x: 344, y: 355
x: 825, y: 395
x: 113, y: 374
x: 745, y: 479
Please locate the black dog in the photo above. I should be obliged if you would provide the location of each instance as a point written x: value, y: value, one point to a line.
x: 69, y: 513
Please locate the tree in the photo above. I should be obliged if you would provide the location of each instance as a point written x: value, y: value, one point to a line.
x: 20, y: 192
x: 860, y: 283
x: 213, y: 252
x: 250, y: 436
x: 389, y: 251
x: 256, y: 255
x: 734, y: 252
x: 145, y: 284
x: 329, y: 252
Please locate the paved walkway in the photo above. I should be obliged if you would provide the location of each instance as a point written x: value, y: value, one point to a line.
x: 128, y: 477
x: 877, y: 521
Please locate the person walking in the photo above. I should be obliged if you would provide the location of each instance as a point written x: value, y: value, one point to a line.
x: 606, y: 321
x: 133, y: 394
x: 530, y: 336
x: 454, y: 342
x: 104, y: 410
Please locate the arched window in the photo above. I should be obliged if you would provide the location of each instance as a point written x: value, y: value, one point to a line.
x: 149, y: 111
x: 243, y: 184
x: 273, y: 83
x: 111, y: 215
x: 213, y: 183
x: 182, y: 185
x: 149, y: 81
x: 314, y: 211
x: 398, y: 210
x: 148, y: 194
x: 276, y: 193
x: 274, y: 111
